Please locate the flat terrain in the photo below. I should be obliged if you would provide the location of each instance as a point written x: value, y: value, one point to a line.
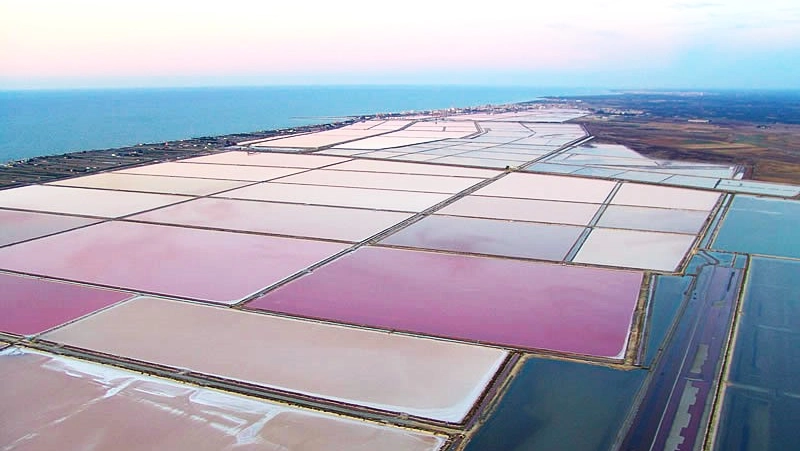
x: 758, y: 130
x: 451, y: 283
x: 770, y: 154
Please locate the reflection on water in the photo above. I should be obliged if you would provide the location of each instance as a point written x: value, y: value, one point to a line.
x: 668, y: 296
x: 762, y: 402
x: 761, y: 226
x: 556, y: 405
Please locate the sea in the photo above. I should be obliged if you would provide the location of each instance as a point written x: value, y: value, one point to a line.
x: 53, y: 122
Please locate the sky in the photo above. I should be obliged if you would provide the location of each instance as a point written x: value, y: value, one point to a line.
x: 563, y: 43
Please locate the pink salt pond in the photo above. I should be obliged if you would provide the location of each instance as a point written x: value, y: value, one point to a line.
x: 199, y: 264
x: 29, y: 306
x: 411, y: 168
x: 151, y: 183
x: 382, y: 180
x: 488, y: 236
x: 339, y: 196
x: 212, y: 171
x: 665, y: 197
x: 519, y: 304
x: 522, y: 210
x: 635, y: 249
x: 434, y: 379
x: 18, y: 226
x: 346, y: 224
x: 549, y: 187
x: 82, y: 201
x: 275, y: 159
x: 53, y: 402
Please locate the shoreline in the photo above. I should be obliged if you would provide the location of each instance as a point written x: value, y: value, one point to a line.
x: 49, y: 168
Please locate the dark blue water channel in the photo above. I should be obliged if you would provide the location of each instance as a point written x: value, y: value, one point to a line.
x: 685, y: 365
x: 669, y: 293
x: 556, y: 405
x: 761, y: 409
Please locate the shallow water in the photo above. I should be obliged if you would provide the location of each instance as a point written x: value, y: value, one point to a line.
x: 34, y: 123
x: 761, y: 226
x: 761, y: 408
x: 668, y: 297
x: 556, y: 405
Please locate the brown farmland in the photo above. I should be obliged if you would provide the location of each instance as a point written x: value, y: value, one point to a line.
x: 771, y: 153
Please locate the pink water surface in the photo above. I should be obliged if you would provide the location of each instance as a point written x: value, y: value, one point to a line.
x: 514, y: 303
x: 29, y: 306
x: 200, y: 264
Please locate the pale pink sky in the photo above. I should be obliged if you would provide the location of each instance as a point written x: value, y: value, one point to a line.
x: 83, y: 42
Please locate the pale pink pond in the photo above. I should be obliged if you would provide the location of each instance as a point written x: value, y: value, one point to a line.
x: 52, y: 402
x: 522, y: 209
x: 384, y: 180
x: 488, y: 236
x: 385, y: 142
x: 411, y: 168
x: 18, y: 226
x: 635, y: 249
x: 654, y: 219
x: 482, y: 162
x: 665, y: 197
x: 320, y: 139
x: 423, y: 377
x: 267, y: 159
x: 151, y: 183
x: 213, y: 171
x: 346, y: 224
x: 80, y: 201
x: 339, y: 196
x: 549, y: 187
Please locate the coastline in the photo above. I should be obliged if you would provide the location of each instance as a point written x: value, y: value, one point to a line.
x: 49, y: 168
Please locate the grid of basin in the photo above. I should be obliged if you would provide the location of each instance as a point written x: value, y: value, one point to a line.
x: 123, y: 264
x: 227, y: 255
x: 496, y: 144
x: 622, y: 163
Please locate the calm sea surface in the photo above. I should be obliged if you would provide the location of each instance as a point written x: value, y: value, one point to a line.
x: 35, y: 123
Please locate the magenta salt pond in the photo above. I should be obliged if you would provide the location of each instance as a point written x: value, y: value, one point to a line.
x: 519, y: 304
x: 29, y: 306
